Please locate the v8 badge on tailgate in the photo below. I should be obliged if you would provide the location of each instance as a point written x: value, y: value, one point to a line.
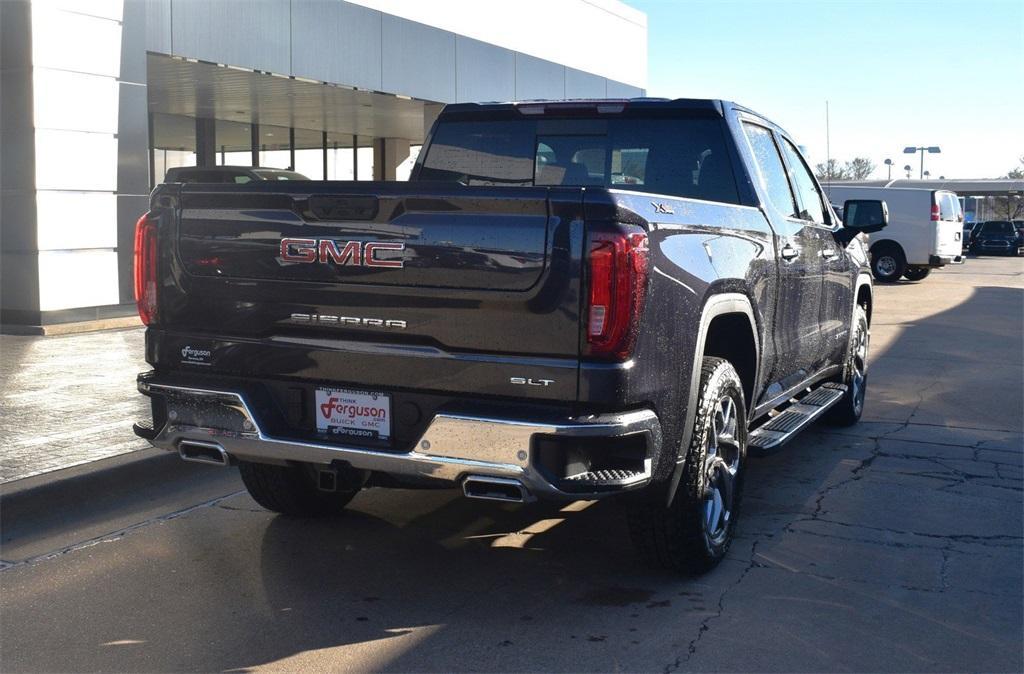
x: 355, y: 413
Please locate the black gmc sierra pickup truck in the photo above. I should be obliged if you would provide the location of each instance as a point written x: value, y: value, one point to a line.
x: 569, y: 300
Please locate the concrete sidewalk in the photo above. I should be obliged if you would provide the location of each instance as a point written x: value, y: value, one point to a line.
x: 68, y: 400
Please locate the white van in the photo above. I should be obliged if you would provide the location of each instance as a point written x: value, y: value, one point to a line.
x: 925, y: 229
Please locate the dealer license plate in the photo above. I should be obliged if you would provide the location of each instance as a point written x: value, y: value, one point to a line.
x: 355, y: 414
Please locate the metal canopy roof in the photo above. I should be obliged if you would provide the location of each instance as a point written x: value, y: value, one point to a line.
x: 198, y: 89
x: 964, y: 188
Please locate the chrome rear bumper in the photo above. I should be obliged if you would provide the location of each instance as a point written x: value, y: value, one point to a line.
x: 452, y: 447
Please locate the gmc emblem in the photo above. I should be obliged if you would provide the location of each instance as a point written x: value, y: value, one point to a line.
x: 341, y: 253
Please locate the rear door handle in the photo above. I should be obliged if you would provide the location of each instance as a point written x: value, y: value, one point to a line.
x: 788, y: 252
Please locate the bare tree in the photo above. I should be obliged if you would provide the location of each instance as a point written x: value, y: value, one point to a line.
x: 860, y: 168
x: 831, y: 170
x: 1010, y: 207
x: 1017, y: 173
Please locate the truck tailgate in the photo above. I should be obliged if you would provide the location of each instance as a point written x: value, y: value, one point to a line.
x: 465, y: 269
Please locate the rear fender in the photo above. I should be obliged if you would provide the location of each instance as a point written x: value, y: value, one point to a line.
x: 716, y: 305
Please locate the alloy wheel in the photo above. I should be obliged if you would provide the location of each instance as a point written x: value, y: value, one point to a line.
x: 721, y: 468
x: 858, y: 367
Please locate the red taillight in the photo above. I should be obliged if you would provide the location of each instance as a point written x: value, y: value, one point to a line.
x: 618, y: 284
x: 935, y: 212
x: 145, y: 269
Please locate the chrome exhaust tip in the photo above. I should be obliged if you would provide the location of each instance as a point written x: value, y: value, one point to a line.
x: 494, y: 489
x: 203, y: 452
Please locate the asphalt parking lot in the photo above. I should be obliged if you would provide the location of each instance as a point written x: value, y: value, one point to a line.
x: 895, y: 545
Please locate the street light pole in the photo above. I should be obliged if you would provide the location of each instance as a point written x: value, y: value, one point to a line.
x: 930, y: 149
x: 888, y: 163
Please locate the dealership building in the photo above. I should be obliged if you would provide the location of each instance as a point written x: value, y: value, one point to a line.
x: 100, y: 97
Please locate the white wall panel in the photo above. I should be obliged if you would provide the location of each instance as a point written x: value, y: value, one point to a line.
x: 604, y: 37
x: 68, y: 220
x: 75, y: 160
x: 579, y: 84
x: 158, y: 25
x: 74, y: 101
x: 417, y: 60
x: 620, y: 90
x: 73, y: 41
x: 79, y: 278
x: 538, y: 79
x: 483, y: 72
x: 318, y: 53
x: 234, y: 32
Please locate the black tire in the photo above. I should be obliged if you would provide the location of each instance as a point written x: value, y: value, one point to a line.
x: 677, y: 536
x: 916, y: 273
x: 292, y: 489
x: 888, y: 263
x: 847, y: 411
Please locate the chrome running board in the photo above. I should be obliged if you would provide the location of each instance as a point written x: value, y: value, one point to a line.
x: 785, y: 425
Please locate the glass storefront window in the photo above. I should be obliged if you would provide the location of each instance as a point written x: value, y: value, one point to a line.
x: 346, y: 158
x: 309, y: 154
x: 174, y: 143
x: 274, y: 147
x: 234, y: 143
x: 365, y: 156
x: 339, y: 157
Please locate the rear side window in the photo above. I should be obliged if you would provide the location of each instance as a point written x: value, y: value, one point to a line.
x: 772, y: 169
x: 811, y: 208
x: 949, y: 207
x: 678, y: 157
x: 481, y: 153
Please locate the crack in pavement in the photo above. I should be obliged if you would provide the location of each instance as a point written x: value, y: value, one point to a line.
x: 691, y: 648
x: 948, y: 473
x: 958, y: 538
x: 876, y: 451
x: 117, y: 535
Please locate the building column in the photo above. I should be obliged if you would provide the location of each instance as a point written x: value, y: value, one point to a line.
x: 19, y: 248
x: 254, y: 143
x: 73, y: 131
x: 388, y: 153
x: 206, y: 142
x: 133, y: 143
x: 431, y: 111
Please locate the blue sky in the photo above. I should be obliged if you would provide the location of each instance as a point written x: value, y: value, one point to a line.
x: 895, y: 73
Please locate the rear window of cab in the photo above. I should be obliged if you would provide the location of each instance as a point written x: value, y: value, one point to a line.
x: 678, y: 157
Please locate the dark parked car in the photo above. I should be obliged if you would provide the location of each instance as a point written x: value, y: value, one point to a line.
x: 997, y: 237
x: 238, y: 175
x: 968, y: 234
x: 569, y: 300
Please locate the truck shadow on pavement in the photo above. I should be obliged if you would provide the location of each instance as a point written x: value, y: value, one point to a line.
x: 894, y: 545
x: 440, y: 582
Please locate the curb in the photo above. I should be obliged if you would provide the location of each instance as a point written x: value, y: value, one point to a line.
x: 119, y: 323
x: 80, y: 472
x: 60, y: 509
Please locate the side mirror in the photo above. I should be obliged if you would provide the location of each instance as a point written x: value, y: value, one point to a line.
x: 862, y: 216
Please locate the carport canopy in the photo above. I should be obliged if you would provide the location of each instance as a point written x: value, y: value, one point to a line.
x: 963, y: 188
